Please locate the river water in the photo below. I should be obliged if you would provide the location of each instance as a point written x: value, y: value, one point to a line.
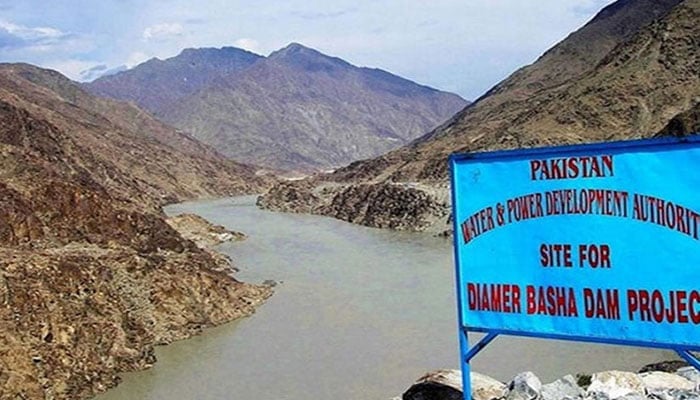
x: 359, y: 313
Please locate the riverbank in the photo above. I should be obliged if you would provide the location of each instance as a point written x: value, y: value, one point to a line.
x: 401, y: 206
x: 76, y: 316
x: 666, y: 384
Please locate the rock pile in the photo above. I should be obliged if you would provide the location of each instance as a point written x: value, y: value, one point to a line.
x: 683, y: 384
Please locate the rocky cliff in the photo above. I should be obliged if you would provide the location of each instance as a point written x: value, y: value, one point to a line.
x: 91, y: 275
x: 685, y: 123
x: 626, y: 74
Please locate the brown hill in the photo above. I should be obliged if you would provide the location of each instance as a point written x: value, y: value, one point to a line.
x: 121, y: 147
x: 156, y: 84
x: 91, y: 276
x: 298, y: 109
x: 623, y: 75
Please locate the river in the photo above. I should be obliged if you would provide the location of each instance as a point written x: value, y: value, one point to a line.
x: 358, y: 313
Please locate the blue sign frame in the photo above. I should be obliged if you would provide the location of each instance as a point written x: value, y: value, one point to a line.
x: 564, y: 172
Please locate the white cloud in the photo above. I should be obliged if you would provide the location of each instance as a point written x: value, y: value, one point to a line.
x: 72, y: 68
x: 136, y: 58
x: 248, y: 44
x: 163, y: 31
x: 14, y: 35
x: 30, y: 33
x: 98, y: 71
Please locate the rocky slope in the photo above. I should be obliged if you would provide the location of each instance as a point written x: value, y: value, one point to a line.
x: 297, y: 109
x: 118, y: 145
x: 684, y: 123
x: 91, y: 275
x: 623, y: 75
x: 156, y: 84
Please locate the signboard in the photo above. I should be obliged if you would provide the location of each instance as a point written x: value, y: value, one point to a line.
x: 594, y: 242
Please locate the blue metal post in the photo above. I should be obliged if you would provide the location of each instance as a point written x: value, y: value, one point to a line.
x: 462, y: 332
x: 480, y: 345
x: 467, y: 355
x: 466, y: 369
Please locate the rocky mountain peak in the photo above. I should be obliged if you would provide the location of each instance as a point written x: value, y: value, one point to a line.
x: 156, y: 84
x: 213, y: 55
x: 292, y: 49
x: 307, y: 59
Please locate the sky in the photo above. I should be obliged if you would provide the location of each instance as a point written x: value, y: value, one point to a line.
x: 462, y: 46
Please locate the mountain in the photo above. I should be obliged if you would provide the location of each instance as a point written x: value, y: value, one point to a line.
x: 624, y: 75
x: 156, y: 84
x: 581, y: 50
x: 297, y: 109
x: 91, y: 275
x: 152, y: 160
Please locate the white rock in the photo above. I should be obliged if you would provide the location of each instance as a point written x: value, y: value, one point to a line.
x: 486, y: 388
x: 564, y: 388
x: 224, y: 237
x: 691, y: 374
x: 633, y: 396
x: 601, y: 396
x: 615, y: 384
x: 525, y: 386
x: 657, y: 380
x: 674, y: 394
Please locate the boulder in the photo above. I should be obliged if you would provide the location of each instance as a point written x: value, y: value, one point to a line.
x: 658, y: 381
x: 633, y: 396
x: 564, y: 388
x: 674, y: 394
x: 525, y: 386
x: 608, y: 385
x: 615, y: 384
x: 691, y: 374
x: 447, y: 385
x: 486, y: 388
